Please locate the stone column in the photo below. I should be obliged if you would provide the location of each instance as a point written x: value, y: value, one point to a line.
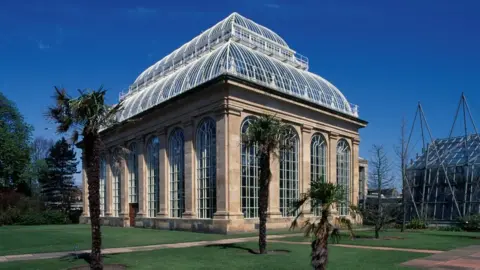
x: 163, y: 174
x: 234, y: 163
x: 332, y: 163
x: 189, y: 170
x: 124, y: 207
x: 142, y: 196
x: 222, y: 160
x: 86, y: 210
x: 305, y: 164
x: 355, y: 173
x: 108, y: 180
x: 274, y: 190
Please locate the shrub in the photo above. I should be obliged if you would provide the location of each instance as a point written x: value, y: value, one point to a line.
x: 416, y: 224
x: 471, y: 223
x: 46, y: 217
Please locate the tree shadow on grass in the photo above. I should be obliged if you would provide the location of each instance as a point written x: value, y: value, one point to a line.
x: 249, y: 250
x: 71, y: 257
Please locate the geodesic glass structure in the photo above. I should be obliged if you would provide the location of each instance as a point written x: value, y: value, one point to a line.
x: 445, y: 180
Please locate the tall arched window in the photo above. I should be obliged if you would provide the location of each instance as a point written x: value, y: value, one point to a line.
x: 318, y: 158
x: 289, y: 188
x: 250, y: 175
x: 206, y: 168
x: 132, y: 164
x: 177, y: 181
x: 116, y: 181
x: 343, y: 173
x: 103, y: 177
x: 153, y: 148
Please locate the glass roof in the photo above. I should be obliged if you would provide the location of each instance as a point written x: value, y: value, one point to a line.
x: 238, y: 47
x: 452, y: 152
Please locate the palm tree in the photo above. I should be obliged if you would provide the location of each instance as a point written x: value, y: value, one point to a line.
x: 323, y: 195
x: 265, y: 134
x: 84, y: 116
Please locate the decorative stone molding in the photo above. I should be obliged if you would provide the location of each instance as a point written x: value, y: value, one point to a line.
x: 228, y: 109
x: 161, y: 131
x: 188, y: 123
x: 356, y: 141
x: 306, y: 129
x: 333, y: 135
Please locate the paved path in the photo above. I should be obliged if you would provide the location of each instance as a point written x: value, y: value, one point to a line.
x: 366, y: 247
x: 462, y: 258
x: 41, y: 256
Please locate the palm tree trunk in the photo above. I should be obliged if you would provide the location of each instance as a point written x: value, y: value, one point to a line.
x: 91, y: 157
x: 320, y: 244
x: 263, y: 195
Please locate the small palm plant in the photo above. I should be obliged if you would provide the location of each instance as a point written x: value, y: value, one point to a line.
x: 84, y: 116
x: 266, y: 134
x: 323, y: 195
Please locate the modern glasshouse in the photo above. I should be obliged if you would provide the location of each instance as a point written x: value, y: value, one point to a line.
x: 445, y: 180
x: 186, y: 167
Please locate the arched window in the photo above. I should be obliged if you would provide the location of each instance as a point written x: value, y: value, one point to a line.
x: 343, y: 173
x: 177, y: 181
x: 132, y: 164
x: 250, y: 175
x: 206, y: 168
x: 289, y: 188
x: 318, y: 158
x: 103, y: 177
x: 153, y: 171
x: 116, y: 181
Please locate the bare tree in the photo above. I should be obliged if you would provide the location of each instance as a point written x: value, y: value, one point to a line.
x: 41, y: 148
x: 402, y: 154
x: 380, y: 211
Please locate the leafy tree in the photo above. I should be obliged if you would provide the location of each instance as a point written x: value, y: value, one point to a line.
x: 380, y: 211
x: 58, y: 183
x: 15, y: 135
x: 323, y: 195
x: 266, y: 134
x: 84, y: 116
x: 40, y: 148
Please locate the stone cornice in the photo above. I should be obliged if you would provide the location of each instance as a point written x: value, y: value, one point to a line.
x: 333, y: 135
x: 306, y: 129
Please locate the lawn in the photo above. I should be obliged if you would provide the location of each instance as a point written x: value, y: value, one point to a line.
x: 236, y: 257
x: 427, y: 239
x: 38, y: 239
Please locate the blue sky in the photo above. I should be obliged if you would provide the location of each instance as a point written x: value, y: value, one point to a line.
x: 384, y: 56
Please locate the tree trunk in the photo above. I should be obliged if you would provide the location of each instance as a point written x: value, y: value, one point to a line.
x: 377, y: 235
x: 320, y: 244
x: 263, y: 195
x: 91, y: 157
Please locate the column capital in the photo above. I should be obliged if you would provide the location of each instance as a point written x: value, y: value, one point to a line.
x: 333, y: 135
x: 161, y: 131
x: 228, y: 109
x: 356, y: 141
x: 187, y: 123
x: 140, y: 138
x: 306, y: 129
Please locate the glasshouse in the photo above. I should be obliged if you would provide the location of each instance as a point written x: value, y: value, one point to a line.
x: 182, y: 122
x: 444, y: 180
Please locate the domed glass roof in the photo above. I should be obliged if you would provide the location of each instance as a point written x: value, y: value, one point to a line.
x: 238, y: 47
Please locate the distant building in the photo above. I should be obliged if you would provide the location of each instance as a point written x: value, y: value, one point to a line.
x: 362, y: 179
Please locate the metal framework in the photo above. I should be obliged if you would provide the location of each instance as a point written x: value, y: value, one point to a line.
x: 238, y: 47
x: 153, y: 171
x: 250, y: 175
x: 116, y: 189
x: 443, y: 181
x: 176, y: 153
x: 132, y: 164
x: 206, y: 168
x: 289, y: 184
x: 103, y: 177
x: 318, y: 158
x: 344, y: 173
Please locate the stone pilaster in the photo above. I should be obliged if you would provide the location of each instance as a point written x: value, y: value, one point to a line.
x: 124, y: 209
x: 142, y: 195
x: 108, y: 180
x: 163, y: 174
x: 86, y: 210
x: 234, y: 163
x: 332, y: 162
x: 355, y: 175
x: 274, y: 190
x: 189, y: 170
x: 305, y: 162
x: 222, y: 160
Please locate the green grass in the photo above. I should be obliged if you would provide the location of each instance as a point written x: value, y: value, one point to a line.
x: 427, y: 239
x: 236, y: 257
x: 51, y: 238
